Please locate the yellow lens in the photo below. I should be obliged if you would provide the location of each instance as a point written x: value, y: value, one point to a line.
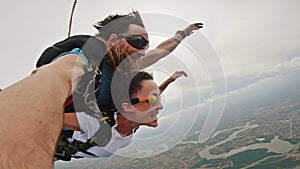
x: 152, y: 101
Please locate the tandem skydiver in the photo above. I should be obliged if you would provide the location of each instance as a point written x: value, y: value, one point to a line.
x: 120, y: 38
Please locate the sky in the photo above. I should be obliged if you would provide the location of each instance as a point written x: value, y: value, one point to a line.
x: 250, y: 37
x: 243, y: 43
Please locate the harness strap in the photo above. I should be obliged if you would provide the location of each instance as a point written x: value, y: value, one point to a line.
x: 65, y: 150
x: 68, y: 101
x: 82, y: 147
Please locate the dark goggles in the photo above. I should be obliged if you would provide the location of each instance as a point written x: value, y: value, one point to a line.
x: 136, y: 41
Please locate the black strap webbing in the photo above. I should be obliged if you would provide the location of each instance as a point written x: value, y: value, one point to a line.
x: 65, y: 150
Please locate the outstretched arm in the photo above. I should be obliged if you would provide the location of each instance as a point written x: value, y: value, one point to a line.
x: 166, y: 47
x: 171, y: 79
x: 71, y: 121
x: 31, y: 113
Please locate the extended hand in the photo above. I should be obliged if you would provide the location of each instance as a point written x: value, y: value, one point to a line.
x: 195, y: 26
x: 177, y: 74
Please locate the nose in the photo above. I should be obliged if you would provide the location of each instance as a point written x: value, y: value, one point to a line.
x: 142, y: 52
x: 159, y: 106
x: 146, y: 47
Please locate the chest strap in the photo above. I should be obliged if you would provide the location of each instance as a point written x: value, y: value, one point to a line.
x: 66, y: 150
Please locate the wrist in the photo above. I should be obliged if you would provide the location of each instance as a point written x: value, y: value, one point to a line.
x: 181, y: 33
x: 172, y: 79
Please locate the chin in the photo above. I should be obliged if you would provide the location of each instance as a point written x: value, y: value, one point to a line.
x: 152, y: 124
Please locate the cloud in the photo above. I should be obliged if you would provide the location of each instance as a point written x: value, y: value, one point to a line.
x: 281, y: 69
x: 218, y: 97
x: 251, y: 43
x: 213, y: 99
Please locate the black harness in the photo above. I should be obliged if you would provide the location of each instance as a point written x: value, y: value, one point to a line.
x: 66, y: 149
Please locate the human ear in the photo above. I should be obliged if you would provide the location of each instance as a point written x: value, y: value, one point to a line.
x: 127, y: 107
x: 113, y: 39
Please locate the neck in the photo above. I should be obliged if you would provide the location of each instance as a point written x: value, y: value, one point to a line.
x: 125, y: 126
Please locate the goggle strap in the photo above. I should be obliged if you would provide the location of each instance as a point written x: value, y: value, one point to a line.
x: 134, y: 101
x: 152, y: 100
x: 145, y: 99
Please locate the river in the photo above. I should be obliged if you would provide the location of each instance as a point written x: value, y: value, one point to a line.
x: 276, y: 145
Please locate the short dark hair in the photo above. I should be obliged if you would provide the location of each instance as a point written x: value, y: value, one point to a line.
x: 118, y: 24
x: 135, y: 84
x: 125, y: 85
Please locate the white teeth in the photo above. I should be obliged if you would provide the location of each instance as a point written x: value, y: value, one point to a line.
x: 153, y: 116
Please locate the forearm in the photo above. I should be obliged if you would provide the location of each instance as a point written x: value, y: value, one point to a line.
x: 165, y: 84
x: 71, y: 122
x: 162, y: 50
x: 32, y: 114
x: 168, y: 46
x: 171, y: 79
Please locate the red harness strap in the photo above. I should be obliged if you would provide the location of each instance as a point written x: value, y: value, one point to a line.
x: 68, y: 101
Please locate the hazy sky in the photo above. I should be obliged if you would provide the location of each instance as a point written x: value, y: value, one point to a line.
x: 249, y: 36
x: 244, y: 41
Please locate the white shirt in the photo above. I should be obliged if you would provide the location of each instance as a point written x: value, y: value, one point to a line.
x: 90, y: 125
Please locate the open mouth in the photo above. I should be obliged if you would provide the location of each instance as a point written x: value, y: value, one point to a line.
x: 154, y: 115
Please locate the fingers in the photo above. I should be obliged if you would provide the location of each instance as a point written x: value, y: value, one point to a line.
x: 185, y: 74
x: 182, y: 73
x: 195, y: 26
x: 198, y: 25
x: 179, y: 73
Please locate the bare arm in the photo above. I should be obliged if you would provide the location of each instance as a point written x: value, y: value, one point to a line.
x: 31, y: 113
x: 171, y: 79
x: 166, y: 47
x: 71, y: 122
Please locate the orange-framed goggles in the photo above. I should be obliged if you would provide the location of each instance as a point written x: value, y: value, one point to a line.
x: 152, y: 100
